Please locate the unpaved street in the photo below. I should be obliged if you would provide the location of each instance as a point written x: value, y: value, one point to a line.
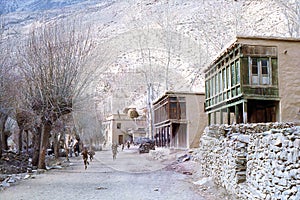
x: 130, y: 176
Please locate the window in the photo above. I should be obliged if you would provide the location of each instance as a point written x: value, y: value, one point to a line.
x: 211, y: 88
x: 182, y: 110
x: 177, y: 110
x: 265, y: 77
x: 264, y: 67
x: 260, y: 71
x: 217, y: 83
x: 228, y: 84
x: 173, y: 110
x: 207, y: 89
x: 237, y: 72
x: 118, y: 125
x: 254, y: 72
x: 224, y: 79
x: 220, y: 82
x: 233, y: 75
x: 254, y: 67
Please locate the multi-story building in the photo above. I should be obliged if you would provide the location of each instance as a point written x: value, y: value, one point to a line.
x: 120, y: 128
x: 179, y: 119
x: 255, y: 79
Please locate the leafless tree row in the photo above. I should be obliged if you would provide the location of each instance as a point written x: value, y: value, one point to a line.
x: 51, y: 65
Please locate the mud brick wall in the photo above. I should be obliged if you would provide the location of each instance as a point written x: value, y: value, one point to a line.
x: 253, y: 161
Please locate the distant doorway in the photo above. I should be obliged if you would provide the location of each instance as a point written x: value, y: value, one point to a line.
x: 179, y: 135
x: 121, y: 139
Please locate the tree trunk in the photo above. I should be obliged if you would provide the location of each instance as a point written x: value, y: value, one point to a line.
x: 46, y: 128
x: 20, y: 141
x: 67, y: 151
x: 36, y: 146
x: 1, y: 144
x: 27, y: 141
x: 56, y: 146
x: 3, y: 118
x: 4, y: 141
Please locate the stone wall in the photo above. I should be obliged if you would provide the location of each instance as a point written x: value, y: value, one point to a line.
x: 253, y: 161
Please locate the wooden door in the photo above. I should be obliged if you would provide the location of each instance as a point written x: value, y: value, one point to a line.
x: 121, y: 139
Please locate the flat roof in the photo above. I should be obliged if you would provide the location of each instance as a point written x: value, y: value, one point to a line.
x: 168, y: 93
x: 235, y: 41
x: 268, y: 38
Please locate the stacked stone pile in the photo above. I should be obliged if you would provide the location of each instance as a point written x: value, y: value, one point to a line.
x: 274, y: 164
x: 253, y: 161
x: 222, y: 155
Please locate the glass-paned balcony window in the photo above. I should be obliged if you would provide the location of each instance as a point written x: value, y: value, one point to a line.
x: 233, y: 75
x: 211, y: 87
x: 207, y: 89
x: 182, y: 110
x: 173, y: 110
x: 237, y: 72
x: 224, y: 79
x: 177, y: 109
x: 254, y: 73
x: 265, y: 74
x: 217, y: 84
x: 259, y: 71
x: 228, y: 84
x: 264, y: 67
x: 220, y: 82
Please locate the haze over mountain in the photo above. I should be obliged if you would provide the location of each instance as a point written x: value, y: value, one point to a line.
x: 9, y: 6
x: 162, y: 43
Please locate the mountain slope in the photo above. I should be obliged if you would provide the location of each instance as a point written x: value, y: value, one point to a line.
x: 9, y: 6
x: 166, y: 42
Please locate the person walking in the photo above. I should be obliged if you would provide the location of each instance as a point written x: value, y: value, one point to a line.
x: 76, y: 148
x: 71, y: 148
x: 114, y: 148
x: 84, y: 154
x: 91, y: 154
x: 128, y: 144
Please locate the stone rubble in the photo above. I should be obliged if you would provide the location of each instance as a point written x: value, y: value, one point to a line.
x: 253, y: 161
x: 159, y: 153
x: 16, y: 167
x: 13, y: 163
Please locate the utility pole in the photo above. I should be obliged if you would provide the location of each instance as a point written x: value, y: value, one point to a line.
x: 150, y: 112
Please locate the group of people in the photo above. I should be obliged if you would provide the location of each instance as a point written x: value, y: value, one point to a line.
x: 74, y: 147
x: 127, y: 144
x: 85, y: 156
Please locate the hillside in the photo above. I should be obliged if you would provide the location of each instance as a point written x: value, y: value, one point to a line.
x: 162, y: 43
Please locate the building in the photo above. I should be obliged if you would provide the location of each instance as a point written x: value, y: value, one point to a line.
x: 119, y: 128
x: 179, y: 119
x: 255, y: 79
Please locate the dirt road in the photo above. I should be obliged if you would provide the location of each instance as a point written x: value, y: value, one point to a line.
x: 130, y: 176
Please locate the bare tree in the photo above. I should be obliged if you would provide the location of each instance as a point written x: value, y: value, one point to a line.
x: 8, y: 81
x: 291, y: 11
x: 53, y: 65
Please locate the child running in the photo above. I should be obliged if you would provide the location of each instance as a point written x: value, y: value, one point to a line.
x: 84, y: 154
